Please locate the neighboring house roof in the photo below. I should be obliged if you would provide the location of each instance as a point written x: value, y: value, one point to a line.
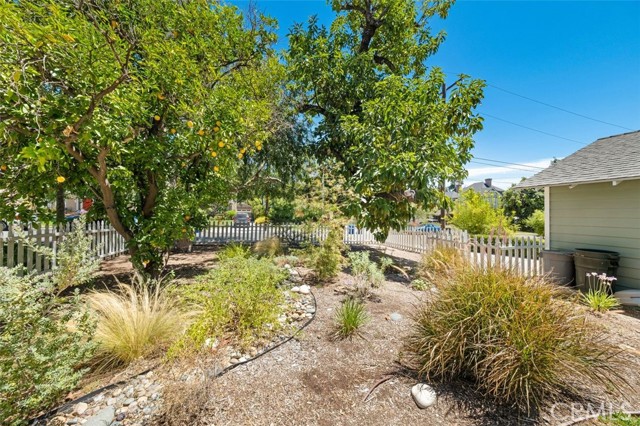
x: 484, y: 187
x: 612, y: 158
x: 452, y: 194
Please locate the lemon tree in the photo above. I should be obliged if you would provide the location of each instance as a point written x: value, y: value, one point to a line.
x: 147, y: 106
x: 379, y: 107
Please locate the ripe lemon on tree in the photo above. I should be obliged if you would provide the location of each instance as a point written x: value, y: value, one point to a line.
x: 156, y: 117
x: 60, y: 179
x: 189, y: 124
x: 221, y: 144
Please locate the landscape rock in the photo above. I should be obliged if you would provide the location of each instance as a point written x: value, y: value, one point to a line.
x: 295, y: 289
x: 423, y: 395
x: 395, y: 317
x: 80, y: 408
x: 304, y: 289
x: 103, y: 417
x: 128, y: 402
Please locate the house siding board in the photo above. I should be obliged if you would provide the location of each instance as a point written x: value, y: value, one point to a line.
x: 600, y: 216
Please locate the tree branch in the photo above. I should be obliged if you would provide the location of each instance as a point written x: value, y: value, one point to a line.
x: 381, y: 60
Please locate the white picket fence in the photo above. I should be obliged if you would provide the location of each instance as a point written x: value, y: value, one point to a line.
x: 521, y: 254
x: 290, y: 233
x: 106, y: 243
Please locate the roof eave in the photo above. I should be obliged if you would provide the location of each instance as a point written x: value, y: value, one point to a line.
x: 524, y: 185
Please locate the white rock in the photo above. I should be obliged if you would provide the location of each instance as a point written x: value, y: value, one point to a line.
x: 211, y: 343
x: 102, y: 417
x: 296, y: 289
x: 80, y: 408
x: 305, y: 289
x: 395, y: 317
x: 423, y: 395
x: 287, y: 266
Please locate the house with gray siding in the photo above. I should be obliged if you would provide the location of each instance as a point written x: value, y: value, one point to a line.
x: 592, y: 200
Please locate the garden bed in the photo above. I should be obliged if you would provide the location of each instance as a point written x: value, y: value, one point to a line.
x: 315, y: 379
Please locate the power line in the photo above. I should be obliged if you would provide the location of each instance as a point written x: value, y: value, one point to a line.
x: 532, y: 129
x: 557, y: 107
x: 505, y: 167
x: 506, y: 162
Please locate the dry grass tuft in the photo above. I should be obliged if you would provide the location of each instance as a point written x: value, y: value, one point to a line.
x: 136, y: 321
x: 440, y: 263
x: 186, y: 403
x: 271, y: 247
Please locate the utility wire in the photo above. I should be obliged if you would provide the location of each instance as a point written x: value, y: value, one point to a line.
x: 557, y: 107
x: 505, y: 167
x: 531, y: 128
x: 506, y: 162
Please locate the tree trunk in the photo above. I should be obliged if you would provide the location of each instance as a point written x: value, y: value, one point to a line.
x: 60, y: 204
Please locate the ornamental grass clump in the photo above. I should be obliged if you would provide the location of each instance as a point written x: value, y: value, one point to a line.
x: 350, y: 317
x: 137, y: 320
x: 514, y: 337
x: 440, y: 263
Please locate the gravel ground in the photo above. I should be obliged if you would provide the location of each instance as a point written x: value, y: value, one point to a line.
x: 315, y: 380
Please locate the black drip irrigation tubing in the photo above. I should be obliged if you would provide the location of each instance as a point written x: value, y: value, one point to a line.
x: 67, y: 405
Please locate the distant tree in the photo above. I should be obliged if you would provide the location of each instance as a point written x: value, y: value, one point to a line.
x: 520, y: 204
x: 473, y: 213
x: 389, y: 122
x: 535, y: 222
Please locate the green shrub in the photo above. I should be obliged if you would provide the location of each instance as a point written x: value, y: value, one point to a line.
x: 621, y: 419
x: 327, y: 259
x: 234, y: 250
x: 137, y: 321
x: 260, y: 220
x: 287, y: 260
x: 240, y: 297
x: 473, y: 213
x: 44, y: 341
x: 269, y: 247
x: 350, y: 317
x: 76, y: 262
x: 281, y: 210
x: 536, y: 222
x: 420, y: 285
x: 515, y: 338
x: 230, y: 214
x: 367, y: 271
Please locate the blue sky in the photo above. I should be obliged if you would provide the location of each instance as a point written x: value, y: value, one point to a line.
x: 582, y: 56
